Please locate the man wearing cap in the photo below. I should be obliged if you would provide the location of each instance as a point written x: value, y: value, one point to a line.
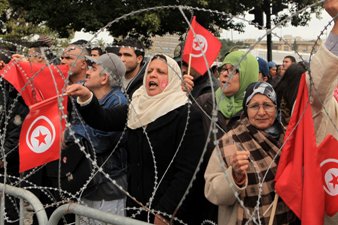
x: 263, y: 74
x: 103, y: 79
x: 274, y: 76
x: 272, y: 68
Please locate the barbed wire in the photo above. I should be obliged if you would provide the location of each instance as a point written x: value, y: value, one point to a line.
x: 66, y: 196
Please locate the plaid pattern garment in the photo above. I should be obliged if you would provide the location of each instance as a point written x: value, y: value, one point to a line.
x: 262, y: 170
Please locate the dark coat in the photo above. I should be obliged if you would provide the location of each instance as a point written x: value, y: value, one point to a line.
x: 165, y: 135
x: 11, y: 119
x: 202, y: 86
x: 137, y: 81
x: 223, y: 124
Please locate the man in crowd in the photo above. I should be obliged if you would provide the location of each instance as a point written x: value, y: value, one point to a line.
x: 74, y: 57
x: 263, y: 74
x: 131, y: 53
x: 96, y: 52
x: 288, y: 61
x: 274, y: 78
x: 104, y: 80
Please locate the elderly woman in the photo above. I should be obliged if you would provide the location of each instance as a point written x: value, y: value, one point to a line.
x: 245, y: 163
x: 164, y: 143
x: 237, y: 71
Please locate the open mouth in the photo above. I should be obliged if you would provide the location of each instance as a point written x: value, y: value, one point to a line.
x: 153, y: 84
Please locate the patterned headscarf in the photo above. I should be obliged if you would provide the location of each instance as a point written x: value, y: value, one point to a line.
x: 266, y: 89
x: 262, y: 88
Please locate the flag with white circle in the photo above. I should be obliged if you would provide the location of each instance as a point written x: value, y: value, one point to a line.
x: 40, y: 136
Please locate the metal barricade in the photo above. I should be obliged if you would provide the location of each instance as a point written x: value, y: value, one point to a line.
x: 80, y: 210
x: 27, y: 196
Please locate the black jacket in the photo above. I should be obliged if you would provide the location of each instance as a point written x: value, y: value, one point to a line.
x: 202, y: 85
x: 137, y: 81
x: 11, y: 119
x: 165, y: 135
x: 223, y: 124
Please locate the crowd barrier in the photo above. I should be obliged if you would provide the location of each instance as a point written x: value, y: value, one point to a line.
x: 22, y: 194
x: 70, y: 208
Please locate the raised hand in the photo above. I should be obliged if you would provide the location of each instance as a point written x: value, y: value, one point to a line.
x: 240, y: 164
x: 331, y: 7
x: 188, y: 83
x: 80, y: 91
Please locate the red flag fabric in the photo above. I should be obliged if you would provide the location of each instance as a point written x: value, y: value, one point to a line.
x: 35, y: 82
x: 328, y: 159
x: 298, y: 170
x: 203, y: 42
x: 40, y: 136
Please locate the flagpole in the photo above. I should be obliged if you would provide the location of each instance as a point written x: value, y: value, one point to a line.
x: 273, y: 210
x: 189, y: 64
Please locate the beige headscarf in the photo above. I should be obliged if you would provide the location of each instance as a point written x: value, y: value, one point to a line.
x: 145, y: 109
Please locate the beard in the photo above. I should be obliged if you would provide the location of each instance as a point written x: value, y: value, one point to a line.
x: 132, y: 69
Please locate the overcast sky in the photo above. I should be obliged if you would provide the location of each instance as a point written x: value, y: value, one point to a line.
x: 307, y: 33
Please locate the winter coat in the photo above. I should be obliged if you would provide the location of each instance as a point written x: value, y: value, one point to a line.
x: 153, y: 148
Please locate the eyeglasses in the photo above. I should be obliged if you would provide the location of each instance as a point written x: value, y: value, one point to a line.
x: 228, y: 70
x: 268, y: 107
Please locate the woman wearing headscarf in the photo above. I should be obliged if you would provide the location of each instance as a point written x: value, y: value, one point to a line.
x: 238, y: 70
x: 164, y: 143
x: 244, y: 70
x: 241, y: 171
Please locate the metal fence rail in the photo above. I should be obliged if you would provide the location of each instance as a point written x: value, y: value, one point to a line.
x: 71, y: 208
x: 81, y: 210
x: 27, y: 196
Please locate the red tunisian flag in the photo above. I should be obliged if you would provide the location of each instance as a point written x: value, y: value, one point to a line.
x: 40, y: 136
x: 34, y: 81
x: 199, y: 44
x: 328, y: 159
x: 298, y: 170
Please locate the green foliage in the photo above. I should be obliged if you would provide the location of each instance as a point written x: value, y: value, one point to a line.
x: 67, y: 16
x: 4, y: 5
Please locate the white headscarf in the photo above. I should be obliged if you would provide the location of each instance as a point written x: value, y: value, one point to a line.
x: 145, y: 109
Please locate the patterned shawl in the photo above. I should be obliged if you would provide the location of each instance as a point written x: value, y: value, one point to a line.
x: 263, y: 151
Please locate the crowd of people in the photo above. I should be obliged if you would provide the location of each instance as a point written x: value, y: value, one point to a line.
x: 172, y: 146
